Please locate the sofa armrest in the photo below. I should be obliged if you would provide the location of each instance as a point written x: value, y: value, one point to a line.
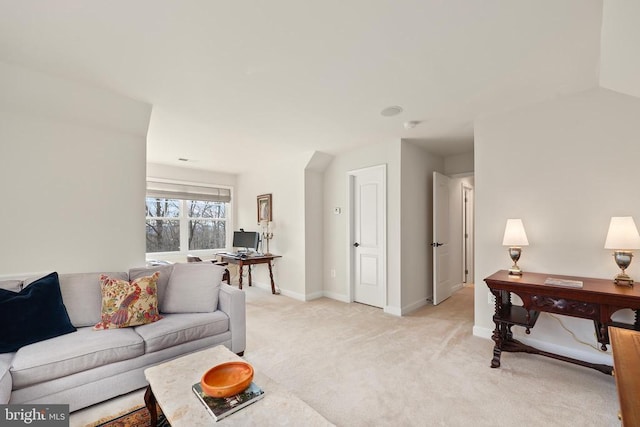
x: 5, y: 377
x: 231, y: 301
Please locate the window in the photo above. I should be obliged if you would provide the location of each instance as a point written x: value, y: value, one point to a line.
x: 182, y: 221
x: 163, y: 225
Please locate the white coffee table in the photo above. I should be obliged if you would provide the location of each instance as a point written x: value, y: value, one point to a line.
x: 170, y: 386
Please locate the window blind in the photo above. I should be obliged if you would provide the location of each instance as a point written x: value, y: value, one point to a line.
x: 182, y: 191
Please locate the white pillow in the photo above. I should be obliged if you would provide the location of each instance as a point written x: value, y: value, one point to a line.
x: 193, y: 288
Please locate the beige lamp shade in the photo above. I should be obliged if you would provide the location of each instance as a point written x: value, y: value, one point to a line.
x: 622, y: 234
x: 514, y: 234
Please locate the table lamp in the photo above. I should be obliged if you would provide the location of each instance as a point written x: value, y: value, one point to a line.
x: 622, y: 238
x: 515, y: 237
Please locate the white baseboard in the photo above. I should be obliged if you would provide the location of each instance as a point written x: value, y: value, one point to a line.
x: 413, y: 307
x: 573, y: 352
x: 314, y: 295
x: 479, y: 331
x: 336, y: 296
x: 393, y: 310
x: 295, y: 295
x: 267, y: 287
x: 256, y: 284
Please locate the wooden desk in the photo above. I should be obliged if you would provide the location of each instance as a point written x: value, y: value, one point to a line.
x: 625, y: 345
x: 250, y: 260
x: 597, y: 300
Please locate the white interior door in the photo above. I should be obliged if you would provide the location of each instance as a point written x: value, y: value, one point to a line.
x: 442, y: 274
x: 368, y: 191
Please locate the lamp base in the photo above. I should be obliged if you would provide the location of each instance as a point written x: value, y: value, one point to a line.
x: 515, y: 271
x: 623, y: 279
x: 623, y: 259
x: 514, y: 254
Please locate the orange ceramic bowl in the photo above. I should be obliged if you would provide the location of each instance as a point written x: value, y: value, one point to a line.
x: 227, y: 379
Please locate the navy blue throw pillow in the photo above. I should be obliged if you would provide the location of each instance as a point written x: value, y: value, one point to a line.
x: 34, y: 314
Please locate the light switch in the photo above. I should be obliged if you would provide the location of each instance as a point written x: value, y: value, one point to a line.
x: 337, y: 211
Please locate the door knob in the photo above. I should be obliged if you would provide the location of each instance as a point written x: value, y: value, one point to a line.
x: 436, y: 244
x: 356, y: 244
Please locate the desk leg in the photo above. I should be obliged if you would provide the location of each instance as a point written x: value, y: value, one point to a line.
x: 240, y: 275
x: 498, y: 338
x: 150, y: 403
x: 249, y: 267
x: 602, y: 334
x: 273, y: 285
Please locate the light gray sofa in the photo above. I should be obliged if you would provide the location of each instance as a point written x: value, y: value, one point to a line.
x: 88, y: 366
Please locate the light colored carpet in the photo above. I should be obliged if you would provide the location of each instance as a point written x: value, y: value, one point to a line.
x: 360, y: 367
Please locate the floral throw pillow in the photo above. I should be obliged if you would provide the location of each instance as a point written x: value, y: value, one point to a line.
x: 127, y: 303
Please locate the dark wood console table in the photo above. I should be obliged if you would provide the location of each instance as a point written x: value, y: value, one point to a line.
x: 597, y: 300
x: 250, y: 260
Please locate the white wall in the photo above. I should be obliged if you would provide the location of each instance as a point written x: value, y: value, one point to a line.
x: 620, y: 40
x: 335, y: 237
x: 458, y: 164
x: 314, y: 224
x: 416, y: 254
x: 565, y: 167
x: 286, y: 182
x: 314, y: 233
x: 72, y: 173
x: 155, y: 170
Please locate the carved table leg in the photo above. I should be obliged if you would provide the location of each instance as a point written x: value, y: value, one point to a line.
x: 250, y: 280
x: 498, y: 333
x: 273, y: 284
x: 602, y: 334
x: 150, y: 402
x: 240, y: 276
x: 497, y: 348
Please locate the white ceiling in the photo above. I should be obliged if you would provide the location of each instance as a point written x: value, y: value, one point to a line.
x: 248, y: 79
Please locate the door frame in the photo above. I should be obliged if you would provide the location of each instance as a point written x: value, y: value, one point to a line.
x: 468, y: 215
x: 350, y: 231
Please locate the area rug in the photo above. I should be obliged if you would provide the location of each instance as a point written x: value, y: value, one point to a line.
x: 138, y: 417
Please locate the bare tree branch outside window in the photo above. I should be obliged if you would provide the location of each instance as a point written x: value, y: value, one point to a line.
x: 206, y: 224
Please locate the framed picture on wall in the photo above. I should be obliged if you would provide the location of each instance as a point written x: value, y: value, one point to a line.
x: 264, y: 208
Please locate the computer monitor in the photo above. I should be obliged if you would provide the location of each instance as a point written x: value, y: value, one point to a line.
x: 246, y: 240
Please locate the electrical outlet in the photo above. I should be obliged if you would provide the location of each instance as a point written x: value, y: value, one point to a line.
x: 491, y: 299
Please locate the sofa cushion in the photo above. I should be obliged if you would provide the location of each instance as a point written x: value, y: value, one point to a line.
x: 127, y: 303
x: 82, y: 297
x: 36, y: 313
x: 179, y: 328
x: 163, y: 279
x: 193, y: 288
x: 11, y: 285
x: 72, y: 353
